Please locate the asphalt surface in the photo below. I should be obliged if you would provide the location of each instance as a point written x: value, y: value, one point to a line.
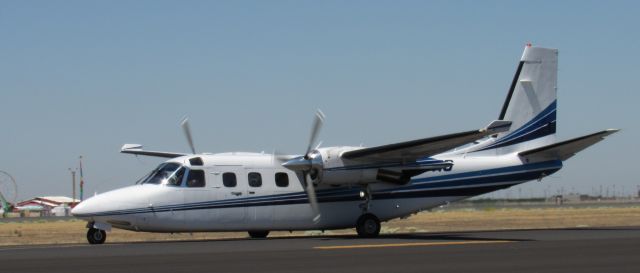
x: 558, y: 250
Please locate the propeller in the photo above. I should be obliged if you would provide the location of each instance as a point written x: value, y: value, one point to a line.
x: 187, y: 132
x: 280, y: 157
x: 313, y: 201
x: 315, y: 130
x: 305, y: 164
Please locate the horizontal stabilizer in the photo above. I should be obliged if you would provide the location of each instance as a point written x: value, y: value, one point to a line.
x: 136, y: 149
x: 565, y: 149
x: 412, y: 150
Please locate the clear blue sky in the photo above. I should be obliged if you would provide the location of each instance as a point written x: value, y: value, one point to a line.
x: 85, y: 77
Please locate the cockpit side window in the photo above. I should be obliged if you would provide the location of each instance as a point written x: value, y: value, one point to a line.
x: 195, y: 179
x: 176, y: 179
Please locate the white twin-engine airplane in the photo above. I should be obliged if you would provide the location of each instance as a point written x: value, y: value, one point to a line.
x: 342, y: 187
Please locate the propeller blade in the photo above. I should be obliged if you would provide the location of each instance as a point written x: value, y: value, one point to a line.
x: 311, y: 194
x: 318, y: 146
x: 280, y: 157
x: 187, y: 132
x: 315, y: 130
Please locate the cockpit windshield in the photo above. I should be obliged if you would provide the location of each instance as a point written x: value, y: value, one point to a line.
x: 167, y: 174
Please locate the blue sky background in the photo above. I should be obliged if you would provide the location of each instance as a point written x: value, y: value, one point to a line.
x: 85, y: 77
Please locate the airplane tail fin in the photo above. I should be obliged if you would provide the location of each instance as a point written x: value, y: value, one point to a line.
x: 530, y: 104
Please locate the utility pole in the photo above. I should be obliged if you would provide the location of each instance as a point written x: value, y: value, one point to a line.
x: 73, y: 184
x: 600, y: 194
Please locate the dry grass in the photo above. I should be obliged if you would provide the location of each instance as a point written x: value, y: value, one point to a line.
x: 502, y: 219
x: 73, y: 231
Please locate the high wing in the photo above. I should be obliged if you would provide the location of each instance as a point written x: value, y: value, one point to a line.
x: 136, y: 149
x: 565, y: 149
x: 410, y: 151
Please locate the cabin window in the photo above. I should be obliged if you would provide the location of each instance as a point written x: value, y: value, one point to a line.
x: 255, y: 180
x: 229, y: 180
x: 195, y: 179
x: 282, y: 180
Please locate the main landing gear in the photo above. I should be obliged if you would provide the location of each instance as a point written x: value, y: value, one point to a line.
x: 368, y: 226
x: 96, y: 236
x: 259, y: 234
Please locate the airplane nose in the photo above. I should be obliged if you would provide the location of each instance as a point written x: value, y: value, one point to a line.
x: 79, y: 209
x: 93, y: 205
x: 105, y: 204
x: 84, y: 208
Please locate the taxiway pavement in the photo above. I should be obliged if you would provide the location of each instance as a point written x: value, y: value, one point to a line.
x: 555, y: 250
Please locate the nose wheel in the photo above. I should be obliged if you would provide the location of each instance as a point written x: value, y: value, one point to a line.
x: 96, y: 236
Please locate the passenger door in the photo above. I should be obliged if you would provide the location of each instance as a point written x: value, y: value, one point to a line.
x: 231, y: 194
x: 260, y: 184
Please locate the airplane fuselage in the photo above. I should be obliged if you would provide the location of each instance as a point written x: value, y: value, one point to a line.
x: 271, y: 204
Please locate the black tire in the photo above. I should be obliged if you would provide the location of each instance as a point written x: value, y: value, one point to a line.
x: 368, y: 226
x: 96, y: 236
x: 259, y: 234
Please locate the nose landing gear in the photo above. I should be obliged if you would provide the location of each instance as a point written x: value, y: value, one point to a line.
x: 96, y: 236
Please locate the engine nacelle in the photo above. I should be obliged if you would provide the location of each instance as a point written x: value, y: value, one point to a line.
x: 326, y: 166
x: 334, y: 170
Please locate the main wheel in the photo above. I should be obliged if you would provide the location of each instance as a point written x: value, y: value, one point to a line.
x: 96, y: 236
x: 259, y: 234
x: 368, y: 226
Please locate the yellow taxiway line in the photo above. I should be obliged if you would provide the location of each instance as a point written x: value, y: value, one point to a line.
x: 414, y: 244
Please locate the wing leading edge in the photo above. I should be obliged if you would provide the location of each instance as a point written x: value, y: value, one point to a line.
x: 415, y: 149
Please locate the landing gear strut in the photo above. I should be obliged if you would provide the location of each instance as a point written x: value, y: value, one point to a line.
x: 96, y: 236
x: 368, y: 226
x: 259, y: 234
x: 367, y: 196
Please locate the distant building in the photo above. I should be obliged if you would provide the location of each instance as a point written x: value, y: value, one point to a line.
x: 571, y: 198
x: 48, y: 205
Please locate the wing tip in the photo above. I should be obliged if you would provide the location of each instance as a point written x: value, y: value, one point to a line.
x: 609, y: 132
x: 130, y: 147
